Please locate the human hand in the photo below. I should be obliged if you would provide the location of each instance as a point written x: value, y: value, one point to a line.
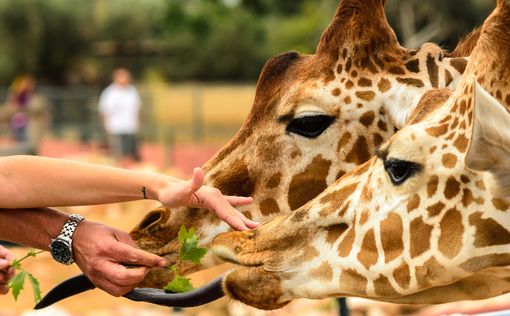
x: 6, y: 270
x: 102, y: 252
x: 193, y: 193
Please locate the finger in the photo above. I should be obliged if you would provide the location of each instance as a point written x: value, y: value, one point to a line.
x: 113, y: 289
x: 123, y: 253
x: 4, y: 265
x: 11, y: 272
x: 238, y: 200
x: 197, y: 180
x: 227, y: 213
x: 4, y: 289
x: 125, y: 238
x: 122, y: 276
x: 3, y: 278
x: 248, y: 222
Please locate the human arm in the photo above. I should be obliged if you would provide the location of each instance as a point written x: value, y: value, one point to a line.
x: 6, y: 270
x: 99, y: 251
x: 32, y: 182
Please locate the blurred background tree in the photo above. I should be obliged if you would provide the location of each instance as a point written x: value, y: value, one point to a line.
x: 79, y: 41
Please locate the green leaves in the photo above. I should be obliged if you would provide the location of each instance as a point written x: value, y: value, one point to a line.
x: 188, y: 251
x: 16, y: 284
x: 18, y: 281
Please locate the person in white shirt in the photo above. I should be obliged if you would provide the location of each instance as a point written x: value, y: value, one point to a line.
x: 119, y: 106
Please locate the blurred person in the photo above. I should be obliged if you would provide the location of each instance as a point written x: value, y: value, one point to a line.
x: 20, y: 93
x: 28, y: 116
x: 32, y: 184
x: 6, y: 271
x: 119, y: 105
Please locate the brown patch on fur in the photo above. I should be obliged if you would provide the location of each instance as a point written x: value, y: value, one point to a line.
x: 335, y: 231
x: 402, y: 275
x: 488, y: 231
x: 347, y: 100
x: 235, y: 180
x: 367, y: 118
x: 345, y: 246
x: 431, y: 270
x: 349, y: 84
x: 309, y: 183
x: 447, y: 77
x: 419, y: 234
x: 500, y: 204
x: 459, y: 64
x: 295, y: 153
x: 396, y: 70
x: 368, y: 254
x: 432, y: 185
x: 308, y: 253
x: 269, y: 206
x: 435, y: 209
x: 451, y: 188
x: 339, y: 68
x: 344, y: 140
x: 382, y: 126
x: 413, y: 82
x: 461, y: 143
x: 413, y: 66
x: 464, y: 178
x: 413, y: 203
x: 365, y: 82
x: 449, y: 160
x: 452, y: 229
x: 352, y: 282
x: 274, y: 181
x: 384, y: 85
x: 430, y: 101
x: 336, y: 92
x: 437, y: 130
x: 323, y: 272
x: 383, y: 288
x: 359, y: 152
x: 365, y: 95
x: 391, y: 237
x: 480, y: 185
x: 467, y: 197
x: 433, y: 71
x: 378, y: 140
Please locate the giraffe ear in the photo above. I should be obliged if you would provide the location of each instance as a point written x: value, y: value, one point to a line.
x: 489, y: 148
x: 361, y: 23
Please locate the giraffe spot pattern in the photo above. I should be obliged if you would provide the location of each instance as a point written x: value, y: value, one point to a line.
x: 365, y: 95
x: 433, y: 71
x: 384, y: 85
x: 308, y: 184
x: 402, y: 275
x: 452, y: 230
x: 413, y: 82
x: 413, y: 203
x: 449, y: 160
x: 431, y: 270
x: 359, y: 152
x: 367, y: 118
x: 344, y: 140
x: 486, y: 261
x: 269, y: 207
x: 352, y: 282
x: 419, y: 234
x: 347, y: 100
x: 448, y: 77
x: 335, y: 231
x: 336, y: 92
x: 488, y: 231
x: 451, y: 188
x: 435, y: 209
x: 364, y: 82
x: 459, y: 64
x: 336, y: 197
x: 323, y: 272
x: 432, y: 185
x: 500, y: 204
x: 345, y: 246
x: 383, y: 288
x: 437, y: 130
x: 396, y: 70
x: 391, y: 237
x: 368, y: 254
x: 413, y: 65
x: 274, y: 180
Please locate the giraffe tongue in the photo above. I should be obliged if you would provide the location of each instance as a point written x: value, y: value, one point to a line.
x: 80, y: 283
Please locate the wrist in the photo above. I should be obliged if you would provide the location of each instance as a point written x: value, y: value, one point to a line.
x: 157, y: 185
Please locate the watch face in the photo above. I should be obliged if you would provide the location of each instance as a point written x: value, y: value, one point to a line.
x: 60, y: 251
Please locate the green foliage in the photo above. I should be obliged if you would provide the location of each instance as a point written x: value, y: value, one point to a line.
x: 17, y: 282
x: 220, y: 40
x: 188, y: 251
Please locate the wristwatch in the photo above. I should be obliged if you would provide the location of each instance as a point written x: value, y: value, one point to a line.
x: 62, y: 246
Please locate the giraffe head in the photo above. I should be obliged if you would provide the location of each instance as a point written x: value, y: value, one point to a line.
x: 426, y: 221
x: 314, y: 118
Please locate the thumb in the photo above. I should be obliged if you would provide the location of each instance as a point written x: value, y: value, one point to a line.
x: 196, y: 180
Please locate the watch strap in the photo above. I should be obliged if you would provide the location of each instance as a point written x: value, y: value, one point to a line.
x: 70, y: 225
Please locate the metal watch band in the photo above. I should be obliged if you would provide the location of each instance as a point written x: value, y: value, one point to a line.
x: 70, y: 226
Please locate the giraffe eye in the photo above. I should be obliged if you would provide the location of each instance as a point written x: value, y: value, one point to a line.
x: 310, y: 126
x: 400, y: 170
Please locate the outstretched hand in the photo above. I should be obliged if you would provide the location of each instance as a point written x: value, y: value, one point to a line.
x: 193, y: 193
x: 6, y: 270
x: 102, y: 253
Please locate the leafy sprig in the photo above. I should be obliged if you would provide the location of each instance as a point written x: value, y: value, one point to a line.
x: 188, y: 251
x: 17, y: 282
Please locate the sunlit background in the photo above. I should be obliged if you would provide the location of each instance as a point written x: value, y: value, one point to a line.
x: 195, y: 63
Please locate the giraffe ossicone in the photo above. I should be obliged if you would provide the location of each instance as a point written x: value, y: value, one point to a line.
x: 314, y: 118
x: 426, y: 221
